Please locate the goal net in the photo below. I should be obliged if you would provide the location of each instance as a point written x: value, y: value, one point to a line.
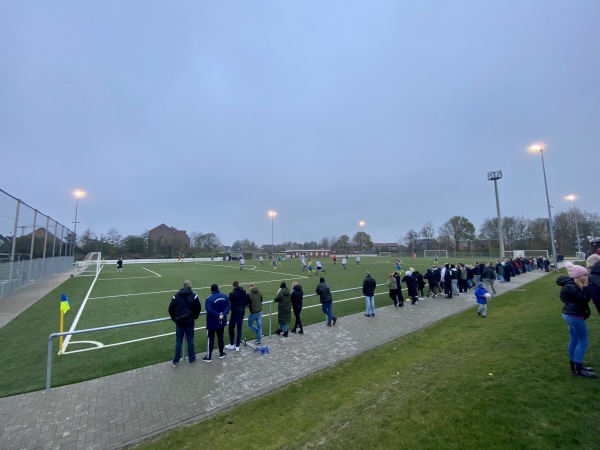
x: 283, y: 256
x: 432, y: 253
x: 90, y: 266
x: 385, y: 254
x: 258, y: 255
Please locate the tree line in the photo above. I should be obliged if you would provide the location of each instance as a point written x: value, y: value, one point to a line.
x: 456, y: 234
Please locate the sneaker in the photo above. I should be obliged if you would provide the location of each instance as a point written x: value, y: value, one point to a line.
x: 175, y: 364
x: 237, y: 349
x: 373, y: 315
x: 230, y: 346
x: 257, y: 342
x: 367, y: 315
x: 192, y: 362
x: 329, y: 323
x: 206, y: 359
x: 334, y: 320
x: 293, y: 330
x: 301, y: 331
x: 222, y: 355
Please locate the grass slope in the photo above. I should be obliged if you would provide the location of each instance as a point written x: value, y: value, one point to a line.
x: 464, y: 383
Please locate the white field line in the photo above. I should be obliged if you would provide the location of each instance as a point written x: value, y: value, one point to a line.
x: 81, y: 308
x: 158, y: 275
x: 133, y: 278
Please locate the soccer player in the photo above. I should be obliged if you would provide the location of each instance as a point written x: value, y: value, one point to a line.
x: 344, y: 262
x: 274, y: 262
x: 242, y: 262
x: 262, y: 261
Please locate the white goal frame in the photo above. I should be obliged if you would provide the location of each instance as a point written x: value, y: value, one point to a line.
x: 258, y: 255
x: 432, y: 253
x: 385, y: 254
x: 90, y: 266
x: 283, y: 255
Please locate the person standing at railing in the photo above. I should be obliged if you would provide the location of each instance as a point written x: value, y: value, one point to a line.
x: 326, y: 301
x: 255, y: 301
x: 239, y: 301
x: 184, y: 309
x: 217, y: 307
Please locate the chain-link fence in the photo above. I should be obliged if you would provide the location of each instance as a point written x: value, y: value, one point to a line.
x: 32, y: 245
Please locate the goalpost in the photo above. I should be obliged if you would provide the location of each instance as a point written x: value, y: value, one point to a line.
x: 433, y: 253
x: 258, y: 255
x: 283, y: 256
x: 385, y: 254
x: 90, y: 266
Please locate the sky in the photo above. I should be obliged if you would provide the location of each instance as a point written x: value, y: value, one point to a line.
x: 206, y: 115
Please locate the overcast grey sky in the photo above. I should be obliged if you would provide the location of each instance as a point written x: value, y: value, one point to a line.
x: 205, y: 115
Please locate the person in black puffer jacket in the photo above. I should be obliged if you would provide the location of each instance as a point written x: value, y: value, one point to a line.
x: 184, y: 309
x: 575, y: 295
x: 297, y: 296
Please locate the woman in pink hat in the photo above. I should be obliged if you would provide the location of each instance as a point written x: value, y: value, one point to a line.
x: 575, y: 295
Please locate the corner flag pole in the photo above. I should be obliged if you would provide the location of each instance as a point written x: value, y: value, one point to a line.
x: 65, y: 305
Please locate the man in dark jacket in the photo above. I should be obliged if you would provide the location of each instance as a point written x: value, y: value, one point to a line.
x: 239, y: 301
x: 326, y: 301
x: 368, y: 288
x: 297, y: 297
x: 399, y: 286
x: 488, y: 276
x: 184, y: 309
x: 217, y: 307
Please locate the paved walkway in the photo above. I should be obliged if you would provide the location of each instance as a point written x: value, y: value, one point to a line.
x: 122, y: 409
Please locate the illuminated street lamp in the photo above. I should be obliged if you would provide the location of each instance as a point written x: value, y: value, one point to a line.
x: 539, y: 148
x: 77, y: 194
x: 272, y: 215
x: 572, y: 198
x: 362, y: 235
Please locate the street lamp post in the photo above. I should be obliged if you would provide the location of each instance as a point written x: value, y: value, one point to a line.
x: 272, y: 215
x: 572, y: 198
x: 362, y: 235
x: 77, y: 194
x: 495, y: 176
x: 540, y: 149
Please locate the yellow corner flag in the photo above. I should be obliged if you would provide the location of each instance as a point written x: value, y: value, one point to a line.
x: 65, y: 305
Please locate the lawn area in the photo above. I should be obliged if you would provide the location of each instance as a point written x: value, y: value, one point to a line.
x: 462, y: 383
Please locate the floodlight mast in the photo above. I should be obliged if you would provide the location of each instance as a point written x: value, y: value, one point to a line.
x: 539, y: 148
x: 495, y: 176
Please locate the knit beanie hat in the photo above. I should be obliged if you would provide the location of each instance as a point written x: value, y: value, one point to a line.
x: 575, y: 271
x: 322, y: 280
x: 282, y: 285
x: 592, y: 260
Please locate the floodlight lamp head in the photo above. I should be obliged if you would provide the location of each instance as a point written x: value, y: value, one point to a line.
x: 272, y: 213
x: 571, y: 198
x: 362, y: 223
x: 494, y: 175
x: 537, y: 148
x: 78, y: 194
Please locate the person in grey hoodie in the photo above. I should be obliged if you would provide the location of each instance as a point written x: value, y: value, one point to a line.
x: 255, y: 301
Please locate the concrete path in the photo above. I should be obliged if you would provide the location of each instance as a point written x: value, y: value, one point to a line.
x: 122, y: 409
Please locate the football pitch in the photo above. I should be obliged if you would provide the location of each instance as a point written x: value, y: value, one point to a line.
x: 143, y: 291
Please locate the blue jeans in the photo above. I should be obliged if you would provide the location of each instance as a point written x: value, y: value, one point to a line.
x: 579, y: 342
x: 256, y: 317
x: 188, y: 331
x: 328, y: 310
x: 236, y: 321
x: 370, y: 302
